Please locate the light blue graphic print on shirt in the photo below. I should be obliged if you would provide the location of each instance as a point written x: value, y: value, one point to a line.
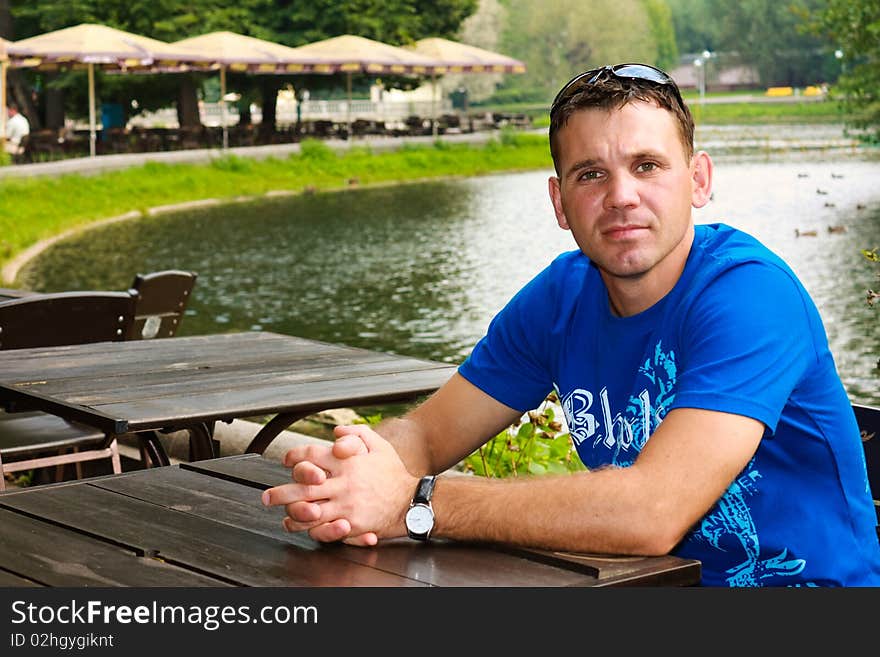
x: 617, y: 438
x: 730, y: 521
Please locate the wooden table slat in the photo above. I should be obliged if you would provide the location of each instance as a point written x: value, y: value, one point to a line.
x: 52, y: 556
x: 311, y: 397
x: 196, y: 542
x: 149, y: 385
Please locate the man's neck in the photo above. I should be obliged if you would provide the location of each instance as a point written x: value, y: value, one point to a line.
x: 630, y: 296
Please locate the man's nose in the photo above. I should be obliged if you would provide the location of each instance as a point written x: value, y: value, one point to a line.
x: 622, y: 192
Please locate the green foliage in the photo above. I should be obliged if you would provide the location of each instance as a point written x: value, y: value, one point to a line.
x: 315, y: 150
x: 535, y: 446
x: 561, y: 38
x: 5, y: 158
x: 853, y: 26
x: 660, y: 20
x: 233, y: 164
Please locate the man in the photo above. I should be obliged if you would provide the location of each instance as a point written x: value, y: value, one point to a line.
x: 692, y: 367
x: 17, y: 126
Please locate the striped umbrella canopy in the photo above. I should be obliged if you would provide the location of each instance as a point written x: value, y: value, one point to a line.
x: 464, y: 58
x: 230, y: 51
x: 88, y: 45
x: 349, y: 54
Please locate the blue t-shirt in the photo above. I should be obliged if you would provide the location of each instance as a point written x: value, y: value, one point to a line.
x: 738, y: 333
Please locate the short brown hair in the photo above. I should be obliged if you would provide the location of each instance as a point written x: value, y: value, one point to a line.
x: 607, y: 91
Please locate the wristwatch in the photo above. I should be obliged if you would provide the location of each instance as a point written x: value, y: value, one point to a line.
x: 420, y: 515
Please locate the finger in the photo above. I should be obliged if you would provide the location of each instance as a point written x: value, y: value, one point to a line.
x: 305, y: 512
x: 367, y: 539
x: 288, y: 493
x: 320, y: 455
x: 306, y: 472
x: 348, y: 446
x: 370, y: 438
x: 331, y: 531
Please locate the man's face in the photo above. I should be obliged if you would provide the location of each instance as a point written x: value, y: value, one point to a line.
x: 625, y: 189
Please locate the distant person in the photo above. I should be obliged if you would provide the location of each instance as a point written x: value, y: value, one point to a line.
x: 691, y: 364
x: 17, y: 126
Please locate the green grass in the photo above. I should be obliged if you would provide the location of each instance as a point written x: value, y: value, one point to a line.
x: 32, y: 209
x: 772, y: 112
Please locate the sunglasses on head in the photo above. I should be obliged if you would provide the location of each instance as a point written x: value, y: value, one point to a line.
x: 621, y: 71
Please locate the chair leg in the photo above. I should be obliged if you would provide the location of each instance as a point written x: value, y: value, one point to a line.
x: 114, y: 457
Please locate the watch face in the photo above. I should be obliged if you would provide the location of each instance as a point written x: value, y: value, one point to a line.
x: 419, y: 519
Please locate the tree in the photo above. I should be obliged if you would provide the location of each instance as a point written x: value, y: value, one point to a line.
x: 853, y: 26
x: 559, y: 39
x: 769, y: 35
x: 696, y: 28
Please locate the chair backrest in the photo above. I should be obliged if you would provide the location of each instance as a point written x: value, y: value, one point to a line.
x: 64, y: 318
x: 868, y: 419
x: 162, y: 299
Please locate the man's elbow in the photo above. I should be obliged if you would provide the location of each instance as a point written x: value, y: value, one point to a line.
x: 659, y: 531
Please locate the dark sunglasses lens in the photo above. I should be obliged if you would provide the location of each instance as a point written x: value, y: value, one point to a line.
x: 630, y: 71
x: 641, y: 72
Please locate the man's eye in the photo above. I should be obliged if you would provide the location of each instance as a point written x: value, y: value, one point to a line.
x: 646, y: 167
x: 590, y: 175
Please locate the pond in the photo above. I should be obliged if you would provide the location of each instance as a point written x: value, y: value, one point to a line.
x: 420, y: 269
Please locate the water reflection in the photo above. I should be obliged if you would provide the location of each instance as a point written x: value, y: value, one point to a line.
x: 421, y: 268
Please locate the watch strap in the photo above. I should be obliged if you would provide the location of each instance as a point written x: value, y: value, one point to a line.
x: 424, y: 490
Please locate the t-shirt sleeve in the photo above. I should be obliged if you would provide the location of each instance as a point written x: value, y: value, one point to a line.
x: 512, y: 362
x: 747, y: 342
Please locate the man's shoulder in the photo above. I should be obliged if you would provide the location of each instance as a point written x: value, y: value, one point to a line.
x: 728, y: 246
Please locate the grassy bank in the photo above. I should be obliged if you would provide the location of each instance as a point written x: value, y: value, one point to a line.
x: 38, y: 208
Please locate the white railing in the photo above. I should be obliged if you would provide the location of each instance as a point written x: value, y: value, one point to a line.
x: 286, y: 114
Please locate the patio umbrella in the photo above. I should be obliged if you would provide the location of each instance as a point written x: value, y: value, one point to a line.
x: 238, y: 52
x: 463, y: 58
x: 88, y: 45
x: 350, y: 53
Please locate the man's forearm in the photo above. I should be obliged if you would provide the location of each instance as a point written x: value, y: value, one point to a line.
x: 580, y: 512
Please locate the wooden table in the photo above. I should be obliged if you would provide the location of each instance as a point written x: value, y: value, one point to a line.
x: 189, y: 383
x: 202, y: 524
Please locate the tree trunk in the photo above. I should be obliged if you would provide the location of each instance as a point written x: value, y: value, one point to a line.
x: 6, y: 21
x: 54, y: 103
x: 269, y: 89
x: 188, y: 103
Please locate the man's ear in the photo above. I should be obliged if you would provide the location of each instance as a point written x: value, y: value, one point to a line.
x: 556, y: 200
x: 701, y: 190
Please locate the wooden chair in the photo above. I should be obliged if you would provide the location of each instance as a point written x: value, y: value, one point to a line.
x: 48, y: 320
x: 868, y: 419
x: 162, y: 299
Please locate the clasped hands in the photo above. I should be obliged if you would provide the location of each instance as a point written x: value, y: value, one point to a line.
x: 355, y: 490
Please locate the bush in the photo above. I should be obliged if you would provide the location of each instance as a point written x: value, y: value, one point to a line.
x: 536, y: 445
